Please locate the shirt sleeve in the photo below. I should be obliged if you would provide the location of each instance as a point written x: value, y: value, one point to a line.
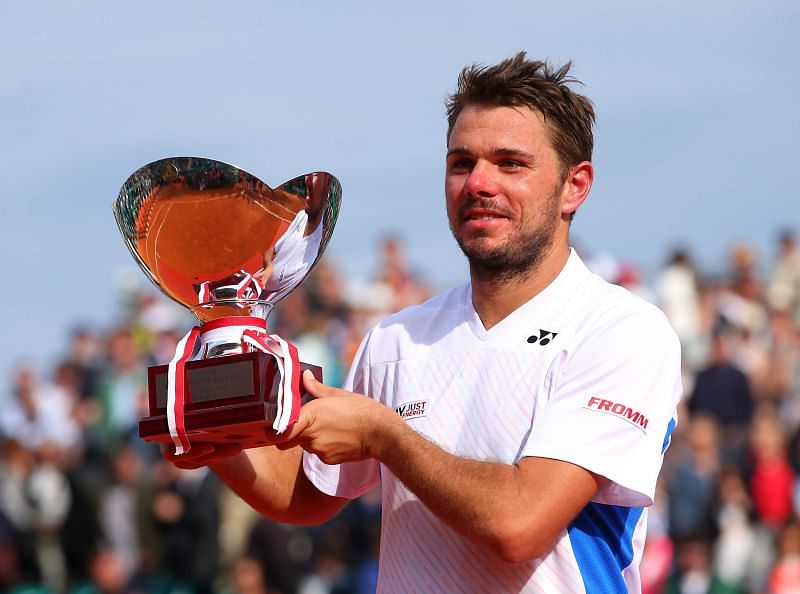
x: 612, y: 406
x: 351, y: 479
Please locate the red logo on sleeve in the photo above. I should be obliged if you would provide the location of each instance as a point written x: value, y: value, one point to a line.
x: 634, y: 417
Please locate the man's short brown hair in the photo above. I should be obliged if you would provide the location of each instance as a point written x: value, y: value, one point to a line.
x: 568, y: 116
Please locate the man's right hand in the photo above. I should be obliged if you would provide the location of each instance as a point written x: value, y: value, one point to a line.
x: 200, y: 454
x: 271, y: 480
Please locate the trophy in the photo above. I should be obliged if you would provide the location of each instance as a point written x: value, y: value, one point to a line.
x: 224, y: 244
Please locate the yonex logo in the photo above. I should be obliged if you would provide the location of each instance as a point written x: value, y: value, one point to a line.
x: 634, y: 417
x: 412, y: 410
x: 545, y: 337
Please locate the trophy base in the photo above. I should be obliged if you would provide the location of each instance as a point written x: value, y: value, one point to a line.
x: 228, y: 400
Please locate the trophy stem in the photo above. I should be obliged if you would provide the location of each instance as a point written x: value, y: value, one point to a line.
x: 223, y: 336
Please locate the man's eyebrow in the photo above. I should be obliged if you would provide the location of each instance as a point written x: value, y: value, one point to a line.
x: 500, y: 151
x: 511, y: 152
x: 458, y: 150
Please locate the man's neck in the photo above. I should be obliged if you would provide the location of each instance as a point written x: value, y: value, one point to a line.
x: 494, y: 297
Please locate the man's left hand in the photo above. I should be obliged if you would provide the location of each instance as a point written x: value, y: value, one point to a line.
x: 337, y: 425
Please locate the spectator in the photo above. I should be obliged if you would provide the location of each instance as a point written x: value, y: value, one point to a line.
x: 741, y: 303
x: 694, y: 573
x: 772, y: 480
x: 34, y: 499
x: 38, y: 415
x: 743, y: 550
x: 248, y: 578
x: 122, y: 387
x: 658, y: 549
x: 396, y: 275
x: 117, y: 513
x: 722, y: 391
x: 84, y: 355
x: 785, y: 577
x: 676, y: 287
x: 783, y: 291
x: 185, y: 512
x: 108, y: 576
x: 692, y: 480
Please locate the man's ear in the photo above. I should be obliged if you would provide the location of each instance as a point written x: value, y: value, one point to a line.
x: 576, y: 186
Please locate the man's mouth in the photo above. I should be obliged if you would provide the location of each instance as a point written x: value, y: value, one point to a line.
x: 481, y: 214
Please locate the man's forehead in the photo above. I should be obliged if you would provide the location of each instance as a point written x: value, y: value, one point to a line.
x: 504, y: 128
x: 510, y: 112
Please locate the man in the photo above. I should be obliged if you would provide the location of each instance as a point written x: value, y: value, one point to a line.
x: 516, y: 423
x: 783, y: 290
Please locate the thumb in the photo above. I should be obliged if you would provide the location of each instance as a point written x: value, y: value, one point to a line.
x: 315, y: 388
x: 289, y: 438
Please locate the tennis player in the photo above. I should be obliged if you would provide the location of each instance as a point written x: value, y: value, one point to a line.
x: 517, y: 423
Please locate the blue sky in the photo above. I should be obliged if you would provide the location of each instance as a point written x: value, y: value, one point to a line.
x: 696, y: 140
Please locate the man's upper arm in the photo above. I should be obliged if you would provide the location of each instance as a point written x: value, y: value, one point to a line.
x: 613, y: 407
x: 562, y: 490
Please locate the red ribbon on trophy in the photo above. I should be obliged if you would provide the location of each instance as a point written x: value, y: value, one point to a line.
x: 286, y: 359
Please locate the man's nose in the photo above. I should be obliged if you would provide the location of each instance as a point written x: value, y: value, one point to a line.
x: 482, y: 180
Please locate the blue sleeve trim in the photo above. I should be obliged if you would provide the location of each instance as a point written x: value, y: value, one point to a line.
x: 602, y: 541
x: 668, y: 436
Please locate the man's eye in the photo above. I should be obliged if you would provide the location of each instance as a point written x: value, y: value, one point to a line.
x: 510, y: 164
x: 460, y: 164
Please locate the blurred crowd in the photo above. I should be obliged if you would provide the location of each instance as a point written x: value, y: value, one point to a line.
x: 86, y: 507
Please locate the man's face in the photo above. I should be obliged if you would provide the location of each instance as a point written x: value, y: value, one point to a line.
x: 503, y: 188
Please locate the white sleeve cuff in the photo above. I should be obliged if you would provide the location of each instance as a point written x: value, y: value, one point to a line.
x: 349, y: 480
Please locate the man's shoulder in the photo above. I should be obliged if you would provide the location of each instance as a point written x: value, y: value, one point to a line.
x: 440, y: 307
x: 419, y: 325
x: 619, y: 299
x: 607, y: 305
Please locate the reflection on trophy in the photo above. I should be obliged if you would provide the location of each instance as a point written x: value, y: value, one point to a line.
x: 227, y: 246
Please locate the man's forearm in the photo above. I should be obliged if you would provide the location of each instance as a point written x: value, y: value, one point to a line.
x: 466, y: 494
x: 272, y: 481
x: 517, y: 511
x: 503, y: 507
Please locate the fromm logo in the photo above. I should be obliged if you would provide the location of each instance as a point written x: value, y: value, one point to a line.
x: 634, y: 417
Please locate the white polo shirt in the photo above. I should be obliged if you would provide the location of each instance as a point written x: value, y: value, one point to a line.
x: 584, y: 372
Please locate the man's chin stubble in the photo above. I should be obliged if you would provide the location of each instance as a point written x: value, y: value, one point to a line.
x: 508, y: 263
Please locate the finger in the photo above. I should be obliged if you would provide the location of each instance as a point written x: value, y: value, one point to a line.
x: 312, y: 386
x: 288, y: 445
x: 292, y: 432
x: 219, y: 453
x: 318, y: 389
x: 197, y: 449
x: 201, y: 454
x: 225, y: 450
x: 189, y: 464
